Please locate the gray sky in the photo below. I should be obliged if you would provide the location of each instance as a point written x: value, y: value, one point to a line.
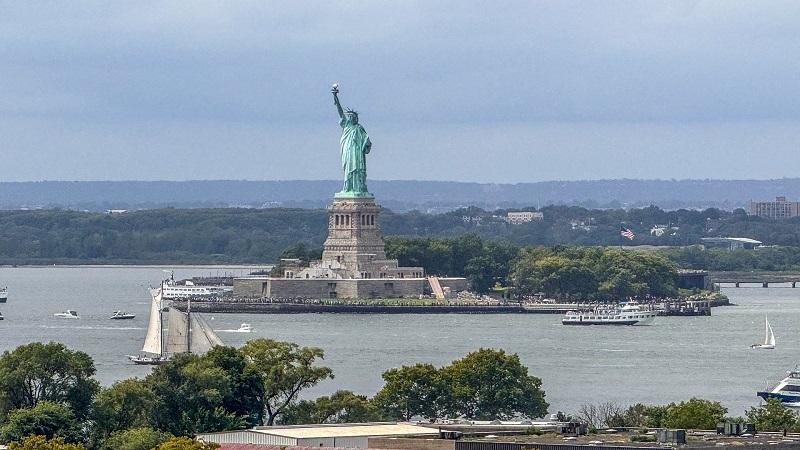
x: 503, y: 92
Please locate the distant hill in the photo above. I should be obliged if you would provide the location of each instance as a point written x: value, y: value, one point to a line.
x: 400, y: 196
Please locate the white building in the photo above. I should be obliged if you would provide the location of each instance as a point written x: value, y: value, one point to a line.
x: 353, y: 435
x: 524, y: 216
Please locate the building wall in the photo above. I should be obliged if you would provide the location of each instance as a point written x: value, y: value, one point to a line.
x: 779, y: 209
x: 256, y: 287
x: 246, y: 436
x: 411, y: 443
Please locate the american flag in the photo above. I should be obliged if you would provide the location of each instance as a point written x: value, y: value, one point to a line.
x: 626, y: 232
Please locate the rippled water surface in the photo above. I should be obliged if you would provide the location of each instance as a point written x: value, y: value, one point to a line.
x: 673, y: 360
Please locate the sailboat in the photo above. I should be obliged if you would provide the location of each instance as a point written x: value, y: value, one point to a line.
x: 186, y: 332
x: 769, y: 337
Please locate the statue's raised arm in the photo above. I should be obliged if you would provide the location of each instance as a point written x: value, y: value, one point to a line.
x: 335, y: 91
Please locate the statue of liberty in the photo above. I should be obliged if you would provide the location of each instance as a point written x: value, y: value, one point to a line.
x: 355, y: 145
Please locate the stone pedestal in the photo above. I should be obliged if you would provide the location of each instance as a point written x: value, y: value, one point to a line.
x: 354, y: 239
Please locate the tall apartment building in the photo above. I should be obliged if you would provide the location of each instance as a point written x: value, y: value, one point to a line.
x: 779, y: 209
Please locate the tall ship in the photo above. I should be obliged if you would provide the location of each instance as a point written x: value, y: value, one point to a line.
x: 626, y: 313
x: 186, y: 332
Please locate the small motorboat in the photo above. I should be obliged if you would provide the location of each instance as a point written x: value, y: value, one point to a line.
x: 244, y: 328
x: 68, y: 314
x: 1, y: 316
x: 122, y: 315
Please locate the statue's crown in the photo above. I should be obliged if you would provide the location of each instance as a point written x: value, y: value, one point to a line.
x: 350, y: 111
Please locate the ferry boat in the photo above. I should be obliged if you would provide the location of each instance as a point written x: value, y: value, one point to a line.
x: 175, y: 291
x: 627, y: 313
x: 3, y: 294
x: 787, y: 390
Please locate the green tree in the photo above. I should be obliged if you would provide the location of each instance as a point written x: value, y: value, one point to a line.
x: 126, y: 404
x: 38, y: 442
x: 191, y: 397
x: 47, y: 419
x: 773, y: 416
x: 186, y: 443
x: 340, y: 407
x: 285, y: 369
x: 695, y: 413
x: 488, y: 384
x: 142, y: 438
x: 46, y: 372
x: 410, y: 391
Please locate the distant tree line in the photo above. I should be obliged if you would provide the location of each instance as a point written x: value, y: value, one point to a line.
x: 261, y: 236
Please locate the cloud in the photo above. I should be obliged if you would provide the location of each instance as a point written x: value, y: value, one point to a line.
x: 108, y: 80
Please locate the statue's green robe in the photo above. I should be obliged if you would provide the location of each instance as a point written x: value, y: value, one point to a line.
x: 355, y: 144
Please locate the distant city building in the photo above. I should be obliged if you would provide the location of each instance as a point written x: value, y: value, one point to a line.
x: 732, y: 244
x: 779, y: 209
x: 516, y: 218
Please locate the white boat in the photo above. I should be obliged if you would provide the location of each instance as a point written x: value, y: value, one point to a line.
x: 244, y: 328
x: 175, y: 291
x: 68, y: 314
x: 3, y: 294
x: 787, y: 390
x: 769, y: 337
x: 119, y: 315
x: 626, y: 313
x: 186, y: 332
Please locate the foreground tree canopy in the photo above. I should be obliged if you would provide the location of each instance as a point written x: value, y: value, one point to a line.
x: 486, y: 384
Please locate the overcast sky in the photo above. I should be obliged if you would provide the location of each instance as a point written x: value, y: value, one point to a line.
x: 492, y: 92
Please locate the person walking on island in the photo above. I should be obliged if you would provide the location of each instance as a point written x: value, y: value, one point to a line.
x: 355, y: 145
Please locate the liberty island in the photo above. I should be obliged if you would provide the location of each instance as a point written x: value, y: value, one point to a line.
x: 354, y: 264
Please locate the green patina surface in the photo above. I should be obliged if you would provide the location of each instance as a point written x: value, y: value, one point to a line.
x: 354, y: 146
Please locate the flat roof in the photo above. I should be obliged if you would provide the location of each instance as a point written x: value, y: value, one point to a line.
x: 731, y: 239
x: 346, y: 430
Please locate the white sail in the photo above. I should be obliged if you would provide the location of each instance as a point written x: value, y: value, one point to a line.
x: 203, y: 338
x: 770, y: 337
x: 189, y: 332
x: 152, y: 341
x: 178, y: 332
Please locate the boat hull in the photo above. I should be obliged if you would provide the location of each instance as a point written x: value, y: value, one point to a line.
x: 146, y: 360
x: 786, y: 398
x: 588, y: 319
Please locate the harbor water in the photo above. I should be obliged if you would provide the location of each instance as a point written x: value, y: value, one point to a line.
x: 672, y: 360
